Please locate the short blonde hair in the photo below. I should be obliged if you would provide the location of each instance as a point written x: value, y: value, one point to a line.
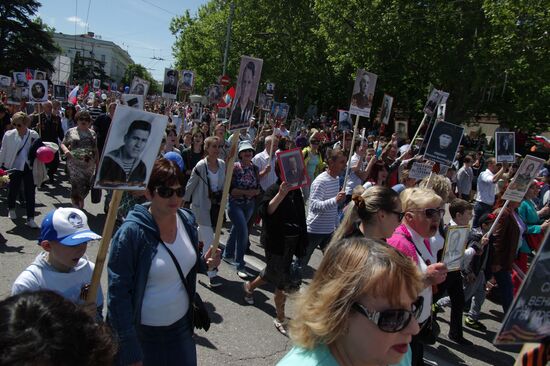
x: 412, y: 198
x: 210, y: 140
x: 350, y: 269
x: 20, y: 117
x: 439, y: 184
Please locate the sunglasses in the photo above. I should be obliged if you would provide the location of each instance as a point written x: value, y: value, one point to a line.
x: 400, y: 215
x: 167, y: 192
x: 431, y: 212
x: 393, y: 320
x: 18, y: 125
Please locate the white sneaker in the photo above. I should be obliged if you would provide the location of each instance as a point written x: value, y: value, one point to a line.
x: 32, y: 224
x: 12, y: 215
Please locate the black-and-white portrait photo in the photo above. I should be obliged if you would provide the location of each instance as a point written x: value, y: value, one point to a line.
x: 131, y: 148
x: 441, y: 112
x: 527, y: 171
x: 248, y: 80
x: 5, y: 81
x: 96, y: 83
x: 265, y: 102
x: 139, y: 86
x: 505, y: 147
x: 363, y: 92
x: 443, y: 143
x: 402, y: 129
x: 344, y: 120
x: 60, y: 92
x: 170, y: 84
x: 270, y: 88
x: 133, y: 100
x: 38, y: 90
x: 187, y: 80
x: 433, y: 101
x: 16, y: 93
x: 455, y: 243
x: 39, y: 75
x: 292, y: 167
x: 20, y: 79
x: 385, y: 110
x: 214, y: 93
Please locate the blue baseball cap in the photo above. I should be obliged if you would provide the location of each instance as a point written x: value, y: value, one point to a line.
x: 176, y: 158
x: 67, y: 225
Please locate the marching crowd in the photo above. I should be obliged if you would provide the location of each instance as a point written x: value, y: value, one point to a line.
x: 377, y: 226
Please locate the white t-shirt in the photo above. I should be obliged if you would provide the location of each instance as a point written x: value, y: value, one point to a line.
x: 214, y: 178
x: 353, y: 179
x: 261, y: 160
x: 486, y: 188
x: 165, y: 300
x: 21, y: 159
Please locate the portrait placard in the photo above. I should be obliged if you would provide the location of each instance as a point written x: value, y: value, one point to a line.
x: 292, y: 167
x: 170, y: 84
x: 39, y: 75
x: 96, y: 83
x: 443, y: 143
x: 270, y: 88
x: 248, y: 81
x: 131, y: 148
x: 16, y: 93
x: 265, y: 102
x: 363, y: 92
x: 455, y: 244
x: 420, y: 170
x: 505, y: 147
x: 528, y: 170
x: 215, y: 93
x: 38, y: 91
x: 60, y: 92
x: 344, y: 120
x: 187, y: 80
x: 279, y: 111
x: 385, y: 110
x: 5, y: 81
x: 402, y: 129
x: 20, y: 79
x: 139, y: 86
x: 133, y: 100
x: 441, y: 112
x: 436, y: 97
x: 527, y: 318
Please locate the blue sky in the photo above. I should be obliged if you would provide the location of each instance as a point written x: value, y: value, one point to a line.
x: 138, y: 26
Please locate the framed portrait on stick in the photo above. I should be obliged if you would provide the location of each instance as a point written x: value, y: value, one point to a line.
x: 505, y: 147
x: 527, y: 171
x: 133, y: 100
x: 363, y: 92
x: 5, y: 81
x: 385, y: 110
x: 38, y: 91
x: 455, y: 244
x: 292, y: 168
x: 187, y: 80
x: 344, y: 120
x: 279, y: 111
x: 60, y: 92
x: 402, y: 129
x: 139, y: 86
x: 170, y: 84
x: 20, y: 79
x: 131, y: 148
x: 443, y: 143
x: 248, y: 80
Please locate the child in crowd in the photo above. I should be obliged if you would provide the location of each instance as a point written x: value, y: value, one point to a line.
x: 62, y: 266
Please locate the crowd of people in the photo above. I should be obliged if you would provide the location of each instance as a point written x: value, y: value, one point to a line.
x: 375, y: 295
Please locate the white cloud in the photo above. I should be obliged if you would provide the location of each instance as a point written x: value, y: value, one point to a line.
x: 78, y: 21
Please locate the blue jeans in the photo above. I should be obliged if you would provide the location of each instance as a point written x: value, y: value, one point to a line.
x: 168, y: 345
x: 480, y: 208
x: 239, y: 214
x: 314, y: 241
x: 505, y: 288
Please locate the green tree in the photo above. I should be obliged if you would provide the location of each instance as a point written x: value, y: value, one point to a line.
x: 140, y: 71
x: 85, y: 69
x: 24, y: 43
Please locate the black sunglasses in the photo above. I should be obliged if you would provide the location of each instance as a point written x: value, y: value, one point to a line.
x: 431, y: 212
x: 167, y: 192
x: 393, y: 320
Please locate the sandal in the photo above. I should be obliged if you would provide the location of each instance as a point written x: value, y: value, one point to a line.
x: 248, y: 295
x: 281, y: 326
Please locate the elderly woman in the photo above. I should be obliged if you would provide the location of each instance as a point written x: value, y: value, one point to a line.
x: 360, y: 309
x: 150, y: 304
x: 80, y: 149
x: 422, y: 208
x: 14, y: 154
x: 204, y: 190
x: 245, y: 186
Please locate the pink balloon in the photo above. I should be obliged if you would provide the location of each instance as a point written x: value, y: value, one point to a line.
x: 45, y: 154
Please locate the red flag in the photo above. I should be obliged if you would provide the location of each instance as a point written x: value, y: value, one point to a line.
x: 227, y: 98
x: 85, y: 91
x: 28, y: 74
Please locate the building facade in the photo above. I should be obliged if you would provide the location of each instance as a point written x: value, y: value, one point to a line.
x: 88, y: 45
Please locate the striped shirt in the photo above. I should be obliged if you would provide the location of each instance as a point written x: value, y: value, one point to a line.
x: 322, y: 214
x: 94, y: 112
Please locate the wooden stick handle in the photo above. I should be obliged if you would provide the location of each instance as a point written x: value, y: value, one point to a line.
x: 496, y: 220
x: 350, y: 151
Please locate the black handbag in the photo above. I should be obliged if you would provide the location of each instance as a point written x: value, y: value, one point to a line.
x: 199, y: 315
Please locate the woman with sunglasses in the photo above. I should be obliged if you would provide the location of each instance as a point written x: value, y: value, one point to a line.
x: 80, y: 149
x: 361, y: 308
x: 204, y: 190
x: 423, y: 213
x: 149, y: 305
x: 14, y: 153
x: 373, y: 213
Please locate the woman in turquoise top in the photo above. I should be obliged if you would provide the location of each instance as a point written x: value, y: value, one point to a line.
x: 360, y: 309
x: 529, y: 213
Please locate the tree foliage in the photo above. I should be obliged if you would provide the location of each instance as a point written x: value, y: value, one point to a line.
x: 24, y: 43
x: 85, y: 69
x: 491, y: 56
x: 140, y: 71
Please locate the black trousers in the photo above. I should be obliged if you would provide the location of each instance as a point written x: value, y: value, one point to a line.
x: 454, y: 287
x: 52, y: 166
x: 18, y: 178
x: 417, y: 349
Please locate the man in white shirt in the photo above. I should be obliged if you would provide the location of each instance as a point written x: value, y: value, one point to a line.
x: 357, y: 174
x: 266, y: 164
x: 486, y: 188
x: 464, y: 179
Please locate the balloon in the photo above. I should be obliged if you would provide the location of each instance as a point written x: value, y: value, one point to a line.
x: 45, y: 154
x: 104, y: 96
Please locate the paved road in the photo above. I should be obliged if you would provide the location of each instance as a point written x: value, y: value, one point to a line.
x: 240, y: 334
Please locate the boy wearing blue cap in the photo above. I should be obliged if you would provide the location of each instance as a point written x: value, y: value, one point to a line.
x: 62, y: 267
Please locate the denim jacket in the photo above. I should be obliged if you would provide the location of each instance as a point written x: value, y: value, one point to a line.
x: 133, y: 248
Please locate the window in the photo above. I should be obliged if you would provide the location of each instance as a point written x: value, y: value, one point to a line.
x: 103, y: 58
